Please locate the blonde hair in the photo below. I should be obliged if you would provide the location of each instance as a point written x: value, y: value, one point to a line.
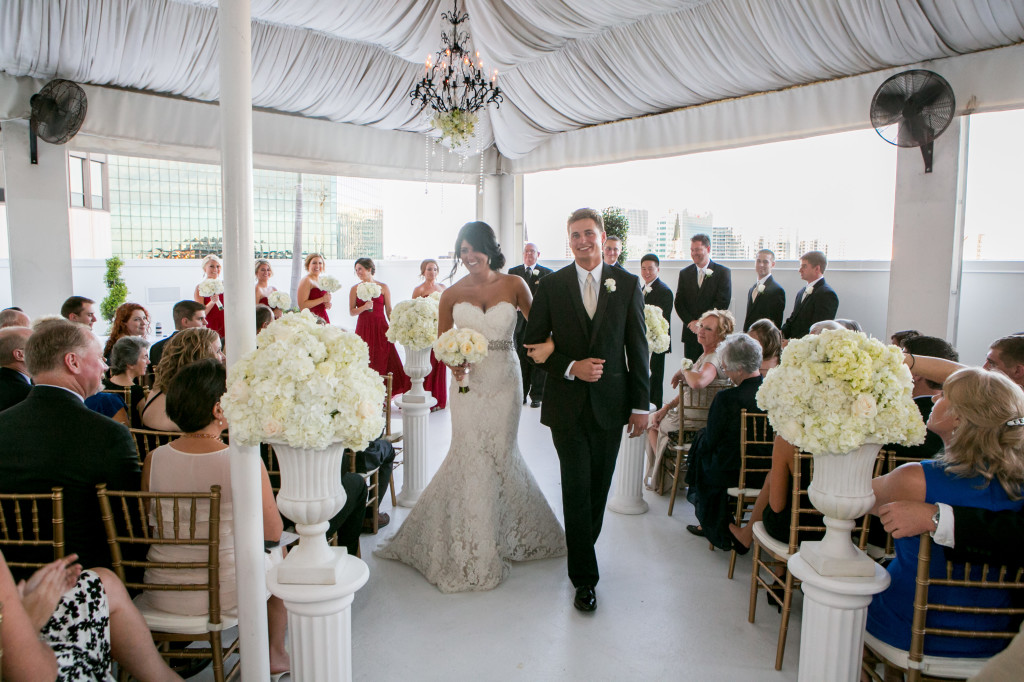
x: 982, y: 443
x: 726, y: 322
x: 210, y: 259
x: 310, y: 257
x: 260, y: 263
x: 182, y: 349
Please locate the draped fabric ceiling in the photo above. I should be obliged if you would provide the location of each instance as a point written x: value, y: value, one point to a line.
x: 563, y: 65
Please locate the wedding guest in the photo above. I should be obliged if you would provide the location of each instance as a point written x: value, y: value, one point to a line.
x: 924, y: 392
x: 185, y: 348
x: 435, y: 383
x: 1006, y: 355
x: 130, y: 319
x: 129, y: 360
x: 15, y: 382
x: 213, y: 305
x: 264, y: 316
x: 852, y: 325
x: 187, y: 315
x: 110, y: 406
x: 263, y: 287
x: 766, y: 299
x: 705, y: 285
x: 657, y: 293
x: 825, y: 325
x: 79, y: 309
x: 532, y: 273
x: 372, y: 327
x: 311, y: 296
x: 768, y: 335
x: 14, y: 317
x: 898, y: 338
x: 611, y: 251
x: 815, y: 302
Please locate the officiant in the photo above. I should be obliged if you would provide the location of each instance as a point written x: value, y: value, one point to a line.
x: 532, y: 273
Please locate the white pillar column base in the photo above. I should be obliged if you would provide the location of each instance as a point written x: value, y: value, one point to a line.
x: 832, y: 626
x: 628, y: 484
x: 320, y: 622
x: 415, y: 429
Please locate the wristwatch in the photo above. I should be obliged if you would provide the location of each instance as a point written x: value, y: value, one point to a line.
x: 935, y: 518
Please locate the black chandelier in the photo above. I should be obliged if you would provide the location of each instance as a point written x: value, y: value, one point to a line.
x: 455, y: 87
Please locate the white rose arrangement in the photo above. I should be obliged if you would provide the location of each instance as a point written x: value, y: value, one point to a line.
x: 367, y: 291
x: 280, y: 300
x: 657, y: 329
x: 435, y: 295
x: 211, y: 288
x: 328, y: 283
x: 836, y: 391
x: 305, y: 385
x: 414, y: 323
x: 460, y: 347
x: 686, y: 364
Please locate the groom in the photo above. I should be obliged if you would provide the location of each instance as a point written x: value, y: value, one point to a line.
x: 597, y: 382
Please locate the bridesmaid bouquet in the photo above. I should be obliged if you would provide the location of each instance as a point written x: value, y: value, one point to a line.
x: 280, y: 300
x: 458, y: 347
x: 367, y: 291
x: 414, y: 323
x: 328, y: 283
x: 657, y: 329
x: 211, y: 288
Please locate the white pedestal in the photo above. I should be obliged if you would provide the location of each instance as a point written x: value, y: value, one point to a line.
x: 320, y: 622
x: 415, y: 429
x: 832, y: 625
x: 628, y: 484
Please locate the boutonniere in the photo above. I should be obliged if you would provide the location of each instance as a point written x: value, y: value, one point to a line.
x: 760, y: 288
x: 808, y: 290
x: 647, y: 289
x: 708, y: 272
x: 609, y: 285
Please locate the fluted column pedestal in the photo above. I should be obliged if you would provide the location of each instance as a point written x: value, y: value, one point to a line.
x: 415, y: 428
x: 320, y: 622
x: 628, y: 484
x: 832, y: 626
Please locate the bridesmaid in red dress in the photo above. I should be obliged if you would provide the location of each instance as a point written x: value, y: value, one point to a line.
x: 436, y: 383
x: 372, y: 327
x: 312, y: 297
x: 263, y: 287
x: 214, y: 304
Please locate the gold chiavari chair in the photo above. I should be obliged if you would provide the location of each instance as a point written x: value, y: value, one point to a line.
x: 371, y: 521
x: 390, y: 435
x: 693, y: 416
x: 756, y: 438
x: 31, y: 530
x: 147, y: 440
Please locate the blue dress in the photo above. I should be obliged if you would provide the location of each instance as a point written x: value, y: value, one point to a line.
x: 891, y: 612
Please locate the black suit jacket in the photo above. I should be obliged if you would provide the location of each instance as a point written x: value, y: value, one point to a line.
x: 616, y: 334
x: 983, y: 535
x: 156, y: 351
x: 661, y: 296
x: 770, y: 303
x: 531, y: 281
x: 692, y: 302
x: 720, y: 460
x: 14, y: 387
x: 820, y: 305
x: 52, y: 439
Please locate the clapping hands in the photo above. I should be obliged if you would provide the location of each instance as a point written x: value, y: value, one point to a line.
x: 42, y: 591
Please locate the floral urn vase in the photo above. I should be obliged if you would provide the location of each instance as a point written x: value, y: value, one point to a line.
x: 417, y: 366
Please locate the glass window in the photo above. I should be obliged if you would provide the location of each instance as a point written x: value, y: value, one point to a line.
x: 76, y: 180
x: 994, y: 202
x: 96, y: 184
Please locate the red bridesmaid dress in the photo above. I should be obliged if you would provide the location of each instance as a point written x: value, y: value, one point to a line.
x: 372, y: 327
x: 320, y: 309
x: 436, y: 383
x: 215, y: 318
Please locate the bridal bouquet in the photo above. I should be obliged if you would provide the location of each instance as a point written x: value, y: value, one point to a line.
x: 280, y: 300
x: 211, y: 288
x: 657, y: 329
x: 328, y: 283
x: 836, y: 391
x: 460, y: 347
x: 367, y: 291
x: 414, y: 323
x: 305, y: 385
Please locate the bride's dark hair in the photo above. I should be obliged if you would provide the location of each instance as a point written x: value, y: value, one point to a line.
x: 481, y: 237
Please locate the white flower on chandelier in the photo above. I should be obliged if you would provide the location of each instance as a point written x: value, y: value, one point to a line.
x: 657, y: 329
x: 367, y: 291
x: 414, y: 323
x: 456, y: 125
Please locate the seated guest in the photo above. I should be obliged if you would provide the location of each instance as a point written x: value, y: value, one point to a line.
x: 184, y: 348
x: 130, y: 319
x: 982, y: 465
x: 109, y: 406
x: 852, y: 325
x: 14, y: 317
x: 768, y: 335
x: 1006, y: 355
x: 79, y: 309
x: 14, y: 380
x: 924, y: 391
x: 825, y: 325
x: 128, y: 363
x: 51, y: 438
x: 714, y: 462
x: 898, y: 338
x: 187, y: 314
x: 264, y: 316
x: 65, y: 623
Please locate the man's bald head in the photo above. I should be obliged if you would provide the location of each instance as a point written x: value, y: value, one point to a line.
x: 12, y: 347
x: 12, y: 317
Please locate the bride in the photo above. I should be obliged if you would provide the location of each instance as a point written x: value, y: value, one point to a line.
x: 483, y: 508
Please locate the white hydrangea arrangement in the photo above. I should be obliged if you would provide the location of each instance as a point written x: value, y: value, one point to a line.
x: 328, y: 283
x: 210, y: 288
x: 414, y: 323
x: 435, y: 295
x: 280, y: 300
x: 657, y: 329
x: 461, y: 346
x: 838, y: 390
x: 367, y: 291
x: 305, y: 385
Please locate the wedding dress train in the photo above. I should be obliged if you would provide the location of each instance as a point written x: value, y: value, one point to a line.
x: 483, y: 508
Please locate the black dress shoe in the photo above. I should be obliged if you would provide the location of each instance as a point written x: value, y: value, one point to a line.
x: 534, y: 403
x: 696, y: 530
x: 586, y: 599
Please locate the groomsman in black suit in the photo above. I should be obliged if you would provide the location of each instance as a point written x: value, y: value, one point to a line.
x: 766, y: 299
x: 533, y: 377
x: 657, y: 293
x: 815, y: 302
x: 14, y: 380
x: 703, y: 286
x: 611, y: 251
x: 597, y: 383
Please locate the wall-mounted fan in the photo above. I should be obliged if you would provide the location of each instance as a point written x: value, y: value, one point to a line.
x: 913, y: 108
x: 58, y: 111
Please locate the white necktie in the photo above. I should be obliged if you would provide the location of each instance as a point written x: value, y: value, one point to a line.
x: 700, y: 277
x: 590, y: 295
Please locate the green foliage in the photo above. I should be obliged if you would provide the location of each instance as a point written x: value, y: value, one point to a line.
x: 616, y: 225
x: 117, y: 290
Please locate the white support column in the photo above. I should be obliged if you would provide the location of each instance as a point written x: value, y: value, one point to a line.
x: 488, y: 203
x: 416, y: 404
x: 500, y: 208
x: 927, y: 237
x: 234, y: 26
x: 515, y: 247
x: 628, y: 484
x: 38, y: 226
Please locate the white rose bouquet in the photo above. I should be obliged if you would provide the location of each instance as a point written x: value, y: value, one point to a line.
x: 657, y: 329
x: 461, y: 347
x: 305, y: 385
x: 367, y: 291
x: 328, y: 283
x: 414, y: 323
x: 212, y: 288
x: 836, y: 391
x: 435, y: 295
x: 280, y: 300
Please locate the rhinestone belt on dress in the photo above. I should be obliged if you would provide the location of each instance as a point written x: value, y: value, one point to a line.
x: 507, y: 345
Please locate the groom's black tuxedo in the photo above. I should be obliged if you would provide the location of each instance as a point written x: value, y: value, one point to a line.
x: 770, y: 304
x: 586, y: 418
x: 822, y: 304
x: 693, y: 301
x: 533, y: 377
x: 661, y: 296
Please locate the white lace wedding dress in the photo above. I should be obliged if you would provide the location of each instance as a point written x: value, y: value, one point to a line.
x: 483, y: 508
